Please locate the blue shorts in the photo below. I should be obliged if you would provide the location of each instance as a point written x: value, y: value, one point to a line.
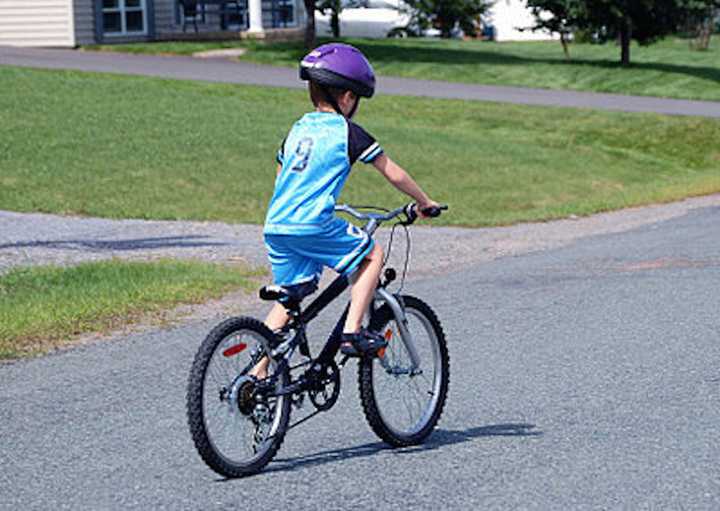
x: 299, y: 258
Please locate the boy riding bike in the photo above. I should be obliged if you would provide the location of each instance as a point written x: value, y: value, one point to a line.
x: 302, y: 233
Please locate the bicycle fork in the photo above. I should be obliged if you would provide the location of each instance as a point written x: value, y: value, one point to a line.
x: 398, y: 310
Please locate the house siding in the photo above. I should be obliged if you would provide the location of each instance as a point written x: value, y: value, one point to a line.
x: 37, y: 23
x: 67, y: 23
x: 165, y: 17
x: 84, y: 22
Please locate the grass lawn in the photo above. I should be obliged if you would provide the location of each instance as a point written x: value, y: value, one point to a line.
x: 41, y: 307
x: 130, y: 147
x: 669, y: 68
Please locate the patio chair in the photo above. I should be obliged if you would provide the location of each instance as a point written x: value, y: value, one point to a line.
x: 190, y: 13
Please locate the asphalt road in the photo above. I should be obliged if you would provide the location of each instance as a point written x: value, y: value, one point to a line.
x: 225, y: 71
x: 585, y: 377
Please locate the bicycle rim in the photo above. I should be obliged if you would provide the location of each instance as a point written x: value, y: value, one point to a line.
x: 403, y: 406
x: 235, y: 432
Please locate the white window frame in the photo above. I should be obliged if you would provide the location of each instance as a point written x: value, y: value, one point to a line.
x: 294, y: 12
x: 123, y: 10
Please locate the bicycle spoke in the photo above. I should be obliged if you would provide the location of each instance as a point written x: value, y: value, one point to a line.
x: 406, y: 397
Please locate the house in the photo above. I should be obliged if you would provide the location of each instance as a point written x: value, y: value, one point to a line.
x: 69, y: 23
x: 509, y: 17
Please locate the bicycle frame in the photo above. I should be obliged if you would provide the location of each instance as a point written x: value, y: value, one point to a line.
x: 333, y: 291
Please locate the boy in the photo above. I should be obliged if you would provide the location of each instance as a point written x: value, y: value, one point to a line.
x: 301, y: 231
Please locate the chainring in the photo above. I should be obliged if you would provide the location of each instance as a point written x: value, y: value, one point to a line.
x: 327, y: 391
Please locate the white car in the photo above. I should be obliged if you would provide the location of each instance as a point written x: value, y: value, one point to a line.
x: 365, y: 18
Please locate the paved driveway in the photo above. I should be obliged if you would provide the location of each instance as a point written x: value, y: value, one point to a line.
x: 583, y: 377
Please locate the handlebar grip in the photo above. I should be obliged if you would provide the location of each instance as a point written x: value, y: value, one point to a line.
x: 434, y: 211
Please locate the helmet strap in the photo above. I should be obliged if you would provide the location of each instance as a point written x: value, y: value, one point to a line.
x: 354, y: 108
x: 333, y: 102
x: 330, y: 99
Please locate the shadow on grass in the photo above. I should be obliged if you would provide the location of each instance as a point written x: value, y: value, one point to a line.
x: 439, y: 438
x: 389, y: 52
x: 119, y: 245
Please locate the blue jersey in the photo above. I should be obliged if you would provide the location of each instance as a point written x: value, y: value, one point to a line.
x: 316, y: 158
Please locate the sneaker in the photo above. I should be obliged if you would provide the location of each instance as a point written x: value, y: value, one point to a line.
x: 365, y: 342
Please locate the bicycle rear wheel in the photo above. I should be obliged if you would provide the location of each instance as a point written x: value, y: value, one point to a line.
x: 402, y: 406
x: 236, y: 430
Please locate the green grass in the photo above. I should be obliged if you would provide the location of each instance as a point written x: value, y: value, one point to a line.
x: 114, y: 146
x: 668, y: 69
x: 42, y: 307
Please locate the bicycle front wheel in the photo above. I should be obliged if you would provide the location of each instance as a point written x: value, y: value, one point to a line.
x: 236, y: 429
x: 403, y: 404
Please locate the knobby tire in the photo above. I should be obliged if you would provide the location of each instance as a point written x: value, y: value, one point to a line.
x: 195, y: 413
x: 367, y: 366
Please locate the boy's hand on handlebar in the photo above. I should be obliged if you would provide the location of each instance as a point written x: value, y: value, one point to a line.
x: 429, y: 209
x: 426, y: 209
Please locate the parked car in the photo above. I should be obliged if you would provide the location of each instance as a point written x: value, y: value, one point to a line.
x: 366, y: 18
x: 383, y: 18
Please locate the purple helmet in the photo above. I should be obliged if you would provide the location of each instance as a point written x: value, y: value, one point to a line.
x: 340, y: 66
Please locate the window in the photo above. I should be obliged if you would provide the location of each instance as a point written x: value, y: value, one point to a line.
x: 283, y: 13
x: 236, y: 14
x: 124, y: 17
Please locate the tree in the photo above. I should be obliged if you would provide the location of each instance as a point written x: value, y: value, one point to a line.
x: 702, y: 16
x: 445, y: 15
x: 556, y: 16
x: 335, y: 8
x: 309, y: 24
x: 644, y: 21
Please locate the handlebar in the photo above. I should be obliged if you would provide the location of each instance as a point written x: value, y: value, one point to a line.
x: 432, y: 212
x: 375, y: 218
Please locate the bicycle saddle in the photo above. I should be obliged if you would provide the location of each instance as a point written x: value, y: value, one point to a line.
x: 290, y: 294
x: 273, y: 293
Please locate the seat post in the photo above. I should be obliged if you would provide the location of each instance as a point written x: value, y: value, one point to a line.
x: 292, y: 306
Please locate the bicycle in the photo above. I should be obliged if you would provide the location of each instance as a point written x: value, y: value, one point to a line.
x: 253, y: 415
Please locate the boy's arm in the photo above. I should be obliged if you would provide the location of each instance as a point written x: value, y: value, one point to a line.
x: 279, y: 168
x: 401, y: 180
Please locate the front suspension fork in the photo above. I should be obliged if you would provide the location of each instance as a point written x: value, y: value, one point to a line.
x: 398, y: 310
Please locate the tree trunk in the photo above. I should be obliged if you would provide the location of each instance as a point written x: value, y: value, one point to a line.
x: 310, y: 25
x: 564, y: 42
x: 704, y: 33
x: 335, y: 23
x: 625, y: 38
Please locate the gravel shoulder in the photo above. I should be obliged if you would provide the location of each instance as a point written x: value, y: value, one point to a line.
x: 34, y: 239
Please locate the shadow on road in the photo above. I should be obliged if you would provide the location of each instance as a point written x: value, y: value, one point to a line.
x: 440, y: 438
x: 119, y: 245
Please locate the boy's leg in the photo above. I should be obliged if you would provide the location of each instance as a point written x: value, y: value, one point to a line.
x: 287, y: 266
x: 276, y: 319
x: 363, y: 289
